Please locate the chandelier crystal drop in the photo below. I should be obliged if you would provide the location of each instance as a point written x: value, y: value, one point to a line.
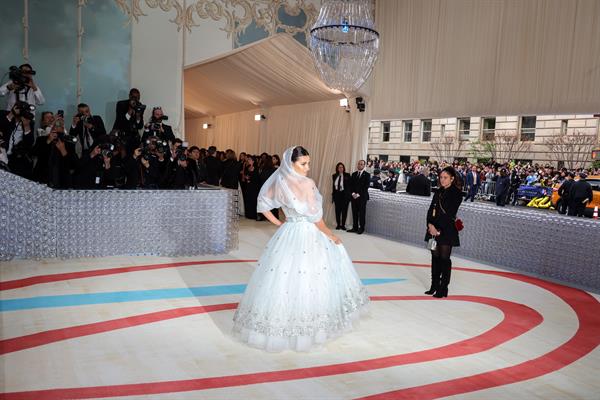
x: 345, y: 44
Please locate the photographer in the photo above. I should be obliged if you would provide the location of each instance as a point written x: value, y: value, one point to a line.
x: 149, y: 164
x: 157, y: 128
x: 16, y: 126
x: 98, y: 171
x: 21, y: 87
x: 130, y: 119
x: 46, y: 124
x: 87, y: 128
x: 182, y: 177
x: 56, y: 159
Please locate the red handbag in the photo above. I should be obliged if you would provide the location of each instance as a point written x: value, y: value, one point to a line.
x: 459, y: 224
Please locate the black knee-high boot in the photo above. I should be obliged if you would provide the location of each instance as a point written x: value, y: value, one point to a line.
x: 445, y: 270
x: 435, y: 275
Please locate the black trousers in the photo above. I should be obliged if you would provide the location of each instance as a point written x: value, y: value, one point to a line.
x: 359, y: 209
x: 577, y: 207
x: 471, y: 193
x: 341, y: 208
x: 501, y: 199
x: 564, y: 205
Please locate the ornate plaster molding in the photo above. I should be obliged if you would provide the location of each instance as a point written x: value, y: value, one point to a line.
x: 237, y: 14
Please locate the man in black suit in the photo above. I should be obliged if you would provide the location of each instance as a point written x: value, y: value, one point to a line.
x: 130, y: 119
x: 341, y: 194
x: 196, y: 166
x: 87, y: 128
x: 360, y: 195
x: 580, y: 195
x: 231, y: 170
x: 420, y: 185
x: 564, y: 191
x: 214, y: 167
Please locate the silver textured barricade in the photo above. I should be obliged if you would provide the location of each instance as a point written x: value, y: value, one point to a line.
x: 38, y: 222
x: 538, y: 242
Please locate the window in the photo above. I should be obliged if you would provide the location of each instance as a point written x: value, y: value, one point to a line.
x: 383, y: 157
x: 524, y: 161
x: 489, y: 128
x: 442, y: 130
x: 426, y: 130
x: 563, y: 127
x: 464, y: 128
x: 385, y: 131
x: 405, y: 159
x: 423, y: 158
x: 528, y: 128
x: 407, y: 131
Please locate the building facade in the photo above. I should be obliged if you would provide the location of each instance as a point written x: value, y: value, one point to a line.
x: 560, y: 140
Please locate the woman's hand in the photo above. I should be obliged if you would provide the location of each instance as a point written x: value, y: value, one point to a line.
x: 335, y: 239
x: 432, y: 230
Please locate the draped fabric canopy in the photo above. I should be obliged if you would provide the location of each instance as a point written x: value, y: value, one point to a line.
x: 448, y: 58
x: 274, y: 71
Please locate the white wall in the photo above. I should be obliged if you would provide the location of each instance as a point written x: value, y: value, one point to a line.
x: 206, y: 41
x: 156, y: 65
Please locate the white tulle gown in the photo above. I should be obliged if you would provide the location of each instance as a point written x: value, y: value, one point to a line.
x: 304, y: 290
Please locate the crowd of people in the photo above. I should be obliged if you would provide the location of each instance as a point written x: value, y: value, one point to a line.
x: 137, y: 153
x: 500, y: 181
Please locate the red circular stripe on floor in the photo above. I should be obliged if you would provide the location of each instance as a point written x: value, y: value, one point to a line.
x: 39, y: 279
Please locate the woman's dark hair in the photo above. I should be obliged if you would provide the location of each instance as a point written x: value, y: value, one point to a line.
x: 253, y: 158
x: 452, y: 172
x: 275, y: 156
x: 267, y: 163
x: 338, y: 166
x: 298, y: 152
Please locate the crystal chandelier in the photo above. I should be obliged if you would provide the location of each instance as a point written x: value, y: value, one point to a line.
x: 345, y: 44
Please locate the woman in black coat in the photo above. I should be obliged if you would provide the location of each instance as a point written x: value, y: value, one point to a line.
x: 340, y: 195
x: 251, y: 180
x: 441, y: 225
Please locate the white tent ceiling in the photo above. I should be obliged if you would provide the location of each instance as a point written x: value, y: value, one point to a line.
x: 273, y: 72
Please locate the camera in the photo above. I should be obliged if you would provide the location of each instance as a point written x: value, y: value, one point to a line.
x: 67, y: 138
x: 155, y: 126
x: 83, y: 117
x: 137, y: 106
x: 24, y: 110
x: 180, y: 152
x: 107, y: 149
x: 16, y: 75
x: 153, y: 145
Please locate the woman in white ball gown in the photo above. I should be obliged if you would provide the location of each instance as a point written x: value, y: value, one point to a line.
x: 305, y: 289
